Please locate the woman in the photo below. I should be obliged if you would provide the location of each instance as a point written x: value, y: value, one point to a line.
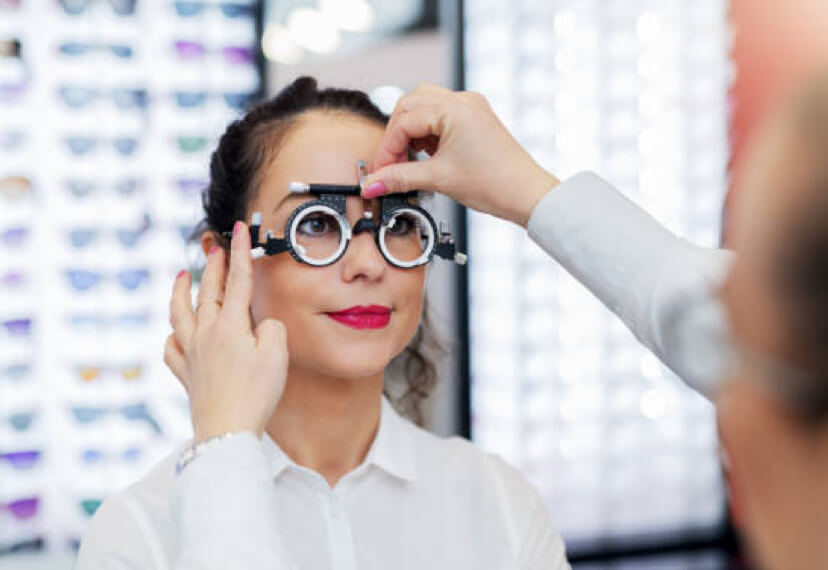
x: 304, y: 463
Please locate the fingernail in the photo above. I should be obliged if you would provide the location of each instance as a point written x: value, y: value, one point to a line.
x: 375, y: 189
x: 181, y: 274
x: 214, y: 249
x: 236, y: 228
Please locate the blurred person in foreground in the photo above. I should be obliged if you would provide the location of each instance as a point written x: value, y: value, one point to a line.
x: 749, y: 331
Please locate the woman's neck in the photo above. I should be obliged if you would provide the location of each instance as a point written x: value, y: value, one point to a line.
x: 327, y: 424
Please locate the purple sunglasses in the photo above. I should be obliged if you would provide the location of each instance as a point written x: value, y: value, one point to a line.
x: 21, y: 459
x: 22, y: 508
x: 233, y: 54
x: 18, y: 327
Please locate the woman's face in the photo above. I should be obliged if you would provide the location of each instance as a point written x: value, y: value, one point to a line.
x: 324, y: 147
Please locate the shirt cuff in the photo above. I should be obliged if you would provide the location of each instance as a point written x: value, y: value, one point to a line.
x: 225, y: 506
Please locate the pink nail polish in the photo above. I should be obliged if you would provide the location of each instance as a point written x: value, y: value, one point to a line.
x: 236, y: 228
x: 181, y: 274
x: 214, y: 249
x: 376, y: 189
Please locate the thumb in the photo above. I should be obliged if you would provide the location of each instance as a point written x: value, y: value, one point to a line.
x: 402, y: 177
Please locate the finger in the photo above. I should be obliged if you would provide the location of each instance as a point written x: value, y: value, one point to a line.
x: 239, y: 288
x: 425, y: 125
x: 176, y: 361
x: 416, y: 123
x: 406, y: 176
x: 425, y: 93
x: 212, y: 286
x: 182, y: 316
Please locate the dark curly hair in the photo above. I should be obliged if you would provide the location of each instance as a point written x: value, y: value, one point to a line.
x: 236, y: 168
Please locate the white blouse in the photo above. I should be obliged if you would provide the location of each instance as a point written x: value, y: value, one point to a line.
x: 419, y: 501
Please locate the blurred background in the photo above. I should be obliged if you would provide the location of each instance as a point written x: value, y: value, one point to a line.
x: 109, y: 110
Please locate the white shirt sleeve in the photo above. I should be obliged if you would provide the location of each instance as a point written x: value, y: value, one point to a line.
x: 117, y: 539
x: 534, y: 538
x: 662, y: 287
x: 225, y: 506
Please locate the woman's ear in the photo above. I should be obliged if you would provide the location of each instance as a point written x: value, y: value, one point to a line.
x: 208, y: 240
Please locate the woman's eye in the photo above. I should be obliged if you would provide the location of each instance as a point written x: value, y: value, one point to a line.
x: 316, y: 225
x: 403, y: 225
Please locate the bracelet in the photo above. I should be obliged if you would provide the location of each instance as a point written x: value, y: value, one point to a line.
x: 193, y: 451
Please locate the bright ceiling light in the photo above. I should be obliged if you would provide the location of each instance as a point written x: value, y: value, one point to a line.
x: 348, y: 15
x: 385, y: 97
x: 278, y: 46
x: 312, y: 30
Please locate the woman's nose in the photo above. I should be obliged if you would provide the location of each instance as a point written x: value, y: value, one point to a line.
x: 363, y: 258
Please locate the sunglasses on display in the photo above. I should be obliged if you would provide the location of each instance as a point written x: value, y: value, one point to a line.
x: 193, y: 99
x: 11, y: 140
x: 85, y: 188
x: 24, y: 546
x: 92, y: 456
x: 83, y: 145
x: 131, y: 412
x: 191, y: 144
x: 84, y: 280
x: 12, y: 92
x: 317, y: 233
x: 80, y: 97
x: 129, y: 373
x: 189, y: 50
x: 189, y: 187
x: 128, y: 237
x: 74, y: 49
x: 78, y: 7
x: 12, y: 280
x: 10, y: 48
x: 21, y: 421
x: 16, y: 372
x: 14, y: 237
x: 18, y: 327
x: 21, y: 509
x: 229, y: 9
x: 96, y: 323
x: 21, y: 460
x: 89, y: 506
x: 15, y: 187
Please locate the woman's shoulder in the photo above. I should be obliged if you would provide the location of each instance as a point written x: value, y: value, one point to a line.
x: 457, y: 457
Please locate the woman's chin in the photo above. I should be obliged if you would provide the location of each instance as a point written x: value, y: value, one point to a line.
x: 351, y: 362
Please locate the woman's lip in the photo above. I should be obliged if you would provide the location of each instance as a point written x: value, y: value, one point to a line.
x: 362, y: 320
x: 361, y: 310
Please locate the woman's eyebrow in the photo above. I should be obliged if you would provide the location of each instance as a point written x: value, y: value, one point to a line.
x: 285, y: 198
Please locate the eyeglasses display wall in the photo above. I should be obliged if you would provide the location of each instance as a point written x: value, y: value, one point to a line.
x: 109, y: 110
x: 635, y: 90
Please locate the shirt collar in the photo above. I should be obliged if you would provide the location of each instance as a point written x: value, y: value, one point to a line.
x: 392, y: 449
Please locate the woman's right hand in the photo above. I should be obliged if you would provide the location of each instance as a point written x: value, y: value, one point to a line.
x: 234, y: 375
x: 473, y: 158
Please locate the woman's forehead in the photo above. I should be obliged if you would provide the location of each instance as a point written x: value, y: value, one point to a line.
x: 324, y: 151
x: 319, y: 150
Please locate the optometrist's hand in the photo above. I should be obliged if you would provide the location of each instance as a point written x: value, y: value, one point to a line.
x: 473, y: 158
x: 234, y: 375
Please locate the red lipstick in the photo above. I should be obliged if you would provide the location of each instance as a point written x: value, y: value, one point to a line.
x: 359, y: 317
